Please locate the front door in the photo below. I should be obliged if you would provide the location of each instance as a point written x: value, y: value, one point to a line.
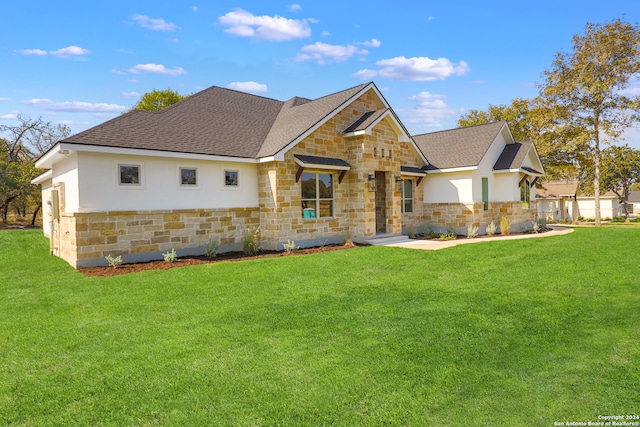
x: 381, y: 202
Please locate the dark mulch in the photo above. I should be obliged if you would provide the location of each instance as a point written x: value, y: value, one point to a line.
x: 195, y: 260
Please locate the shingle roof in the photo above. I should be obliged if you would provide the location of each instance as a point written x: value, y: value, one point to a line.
x: 513, y: 155
x: 462, y: 147
x: 634, y: 196
x: 556, y: 189
x: 217, y: 121
x: 365, y: 120
x: 294, y: 119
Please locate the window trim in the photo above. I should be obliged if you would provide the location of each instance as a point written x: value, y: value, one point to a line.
x: 316, y: 201
x: 226, y: 186
x: 525, y: 198
x: 130, y: 186
x: 403, y: 199
x: 188, y: 186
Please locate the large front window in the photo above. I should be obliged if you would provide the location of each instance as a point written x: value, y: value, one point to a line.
x: 525, y: 194
x: 317, y: 195
x: 407, y: 196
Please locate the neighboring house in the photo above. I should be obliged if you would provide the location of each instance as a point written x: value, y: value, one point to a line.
x: 633, y: 202
x: 560, y: 201
x: 319, y: 171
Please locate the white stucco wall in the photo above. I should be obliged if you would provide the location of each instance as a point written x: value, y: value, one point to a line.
x: 609, y: 208
x: 66, y: 171
x: 448, y: 187
x: 160, y: 185
x: 46, y: 187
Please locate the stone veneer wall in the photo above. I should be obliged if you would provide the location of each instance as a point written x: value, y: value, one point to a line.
x: 143, y: 235
x: 354, y: 205
x: 460, y: 215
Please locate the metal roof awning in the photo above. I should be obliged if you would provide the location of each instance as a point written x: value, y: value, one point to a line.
x: 316, y: 162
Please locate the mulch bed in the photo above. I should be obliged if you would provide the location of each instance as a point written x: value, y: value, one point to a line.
x: 195, y: 260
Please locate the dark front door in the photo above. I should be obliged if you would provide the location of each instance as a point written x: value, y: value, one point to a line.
x: 381, y: 202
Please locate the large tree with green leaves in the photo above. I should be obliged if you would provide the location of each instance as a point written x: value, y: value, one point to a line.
x: 583, y: 100
x: 20, y: 145
x: 157, y: 100
x: 620, y: 170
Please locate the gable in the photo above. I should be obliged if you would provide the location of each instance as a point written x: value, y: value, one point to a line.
x: 458, y: 148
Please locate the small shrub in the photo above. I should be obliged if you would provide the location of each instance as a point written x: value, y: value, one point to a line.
x: 290, y: 246
x: 323, y: 243
x: 535, y: 227
x: 472, y: 231
x: 411, y: 233
x: 492, y: 228
x: 170, y: 256
x: 505, y: 226
x: 114, y: 262
x: 542, y: 222
x: 211, y: 248
x: 427, y: 230
x: 449, y: 235
x: 251, y: 241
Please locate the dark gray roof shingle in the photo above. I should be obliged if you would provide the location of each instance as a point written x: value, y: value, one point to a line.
x: 512, y: 156
x: 461, y: 147
x: 216, y: 121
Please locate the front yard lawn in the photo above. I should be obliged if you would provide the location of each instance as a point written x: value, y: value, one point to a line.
x: 525, y: 332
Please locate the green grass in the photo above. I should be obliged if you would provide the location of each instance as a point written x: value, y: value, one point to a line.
x: 514, y: 333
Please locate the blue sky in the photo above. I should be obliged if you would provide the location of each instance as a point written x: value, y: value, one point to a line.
x: 83, y: 62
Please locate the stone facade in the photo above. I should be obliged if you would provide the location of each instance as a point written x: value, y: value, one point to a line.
x: 354, y: 214
x: 461, y: 215
x: 86, y: 238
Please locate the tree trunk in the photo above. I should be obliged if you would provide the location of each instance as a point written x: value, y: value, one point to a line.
x: 596, y: 175
x: 35, y: 215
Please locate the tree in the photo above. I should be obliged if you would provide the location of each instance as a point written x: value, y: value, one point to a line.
x: 583, y: 99
x: 20, y: 147
x: 157, y: 100
x: 620, y: 169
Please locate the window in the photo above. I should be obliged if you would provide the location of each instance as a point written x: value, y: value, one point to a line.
x: 188, y: 176
x: 407, y: 196
x: 317, y: 195
x: 129, y: 174
x: 525, y: 194
x: 485, y: 193
x: 231, y: 178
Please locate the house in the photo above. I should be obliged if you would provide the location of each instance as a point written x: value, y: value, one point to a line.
x: 222, y: 162
x: 561, y: 201
x: 633, y: 202
x: 478, y: 174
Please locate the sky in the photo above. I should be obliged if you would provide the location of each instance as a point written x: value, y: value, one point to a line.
x: 80, y: 63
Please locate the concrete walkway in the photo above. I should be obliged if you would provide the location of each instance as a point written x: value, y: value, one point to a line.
x: 405, y: 242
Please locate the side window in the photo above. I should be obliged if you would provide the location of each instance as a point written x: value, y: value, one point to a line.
x: 129, y: 175
x: 188, y: 177
x: 407, y: 196
x: 231, y: 178
x: 485, y: 193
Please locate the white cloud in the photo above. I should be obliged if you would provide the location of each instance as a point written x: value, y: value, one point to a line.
x: 273, y: 28
x: 157, y: 69
x: 294, y: 7
x: 323, y: 53
x: 416, y: 69
x: 118, y: 72
x: 371, y: 43
x: 75, y: 106
x: 11, y: 116
x: 155, y: 24
x: 431, y: 110
x: 5, y: 99
x: 250, y: 87
x: 365, y: 74
x: 36, y: 52
x: 194, y: 8
x: 130, y: 94
x: 326, y: 33
x: 71, y: 122
x: 68, y: 51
